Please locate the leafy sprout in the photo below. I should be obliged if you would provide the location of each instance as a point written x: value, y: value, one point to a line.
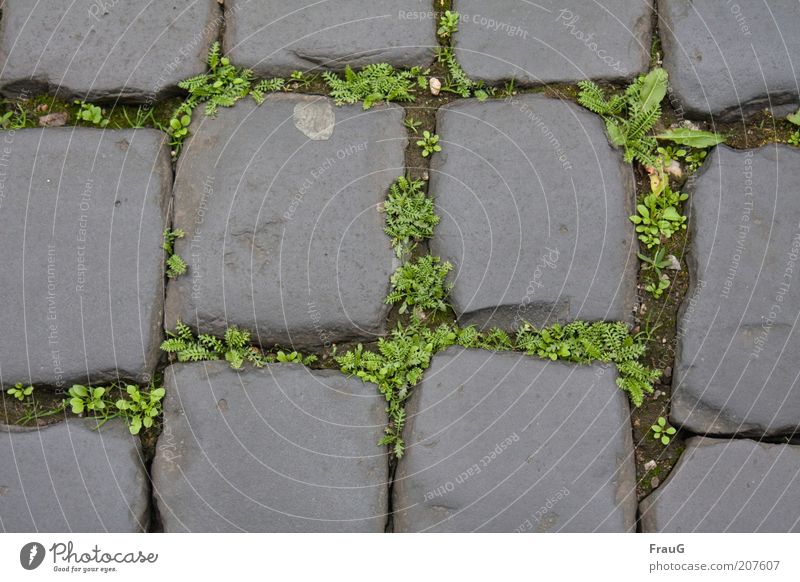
x: 662, y: 431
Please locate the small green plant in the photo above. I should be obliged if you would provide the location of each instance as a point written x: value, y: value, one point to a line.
x: 630, y: 117
x: 457, y: 81
x: 235, y: 347
x: 84, y: 399
x: 266, y: 86
x: 222, y: 86
x: 140, y: 408
x: 179, y: 128
x: 15, y: 118
x: 299, y: 79
x: 412, y: 123
x: 91, y: 114
x: 448, y: 24
x: 421, y: 284
x: 657, y: 263
x: 429, y: 143
x: 294, y: 358
x: 396, y: 367
x: 694, y: 159
x: 794, y: 118
x: 694, y: 138
x: 662, y: 431
x: 144, y: 117
x: 373, y: 84
x: 410, y: 215
x: 20, y: 392
x: 176, y: 266
x: 657, y: 215
x: 401, y: 359
x: 671, y: 153
x: 657, y: 287
x: 510, y: 88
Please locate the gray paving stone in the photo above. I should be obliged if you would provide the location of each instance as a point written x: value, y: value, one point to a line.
x: 81, y: 273
x: 728, y: 59
x: 275, y: 38
x: 728, y: 486
x: 550, y: 42
x: 104, y: 50
x: 505, y: 442
x: 69, y: 477
x: 534, y: 205
x: 280, y: 449
x: 736, y: 367
x: 283, y: 232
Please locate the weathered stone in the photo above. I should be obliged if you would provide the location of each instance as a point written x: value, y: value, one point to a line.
x: 81, y: 273
x: 736, y: 368
x: 728, y: 60
x: 279, y: 449
x: 535, y: 205
x: 283, y: 232
x: 550, y: 42
x: 506, y: 442
x: 104, y: 50
x: 275, y: 38
x: 72, y: 477
x: 728, y: 486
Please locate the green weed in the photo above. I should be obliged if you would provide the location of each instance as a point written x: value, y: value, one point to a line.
x: 373, y: 84
x: 176, y: 266
x: 222, y: 86
x: 91, y: 114
x: 20, y: 392
x: 234, y: 348
x: 410, y: 215
x: 662, y: 431
x: 429, y: 143
x: 140, y: 408
x: 421, y: 284
x: 448, y: 24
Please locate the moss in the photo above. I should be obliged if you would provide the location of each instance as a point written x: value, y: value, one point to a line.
x: 119, y: 115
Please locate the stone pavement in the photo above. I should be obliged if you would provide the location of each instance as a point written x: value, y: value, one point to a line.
x: 728, y: 486
x: 535, y: 207
x: 728, y: 60
x: 279, y: 449
x: 281, y: 207
x: 503, y: 442
x: 736, y: 370
x: 70, y: 477
x: 283, y: 235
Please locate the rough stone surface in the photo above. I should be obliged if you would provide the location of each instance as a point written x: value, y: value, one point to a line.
x: 534, y: 205
x: 274, y: 37
x: 104, y: 50
x: 70, y: 477
x: 727, y: 60
x: 548, y: 41
x: 283, y: 231
x: 505, y: 442
x: 81, y: 273
x: 280, y: 449
x: 728, y: 486
x: 736, y: 368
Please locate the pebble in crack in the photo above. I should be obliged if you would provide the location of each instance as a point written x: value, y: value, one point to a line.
x: 315, y: 119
